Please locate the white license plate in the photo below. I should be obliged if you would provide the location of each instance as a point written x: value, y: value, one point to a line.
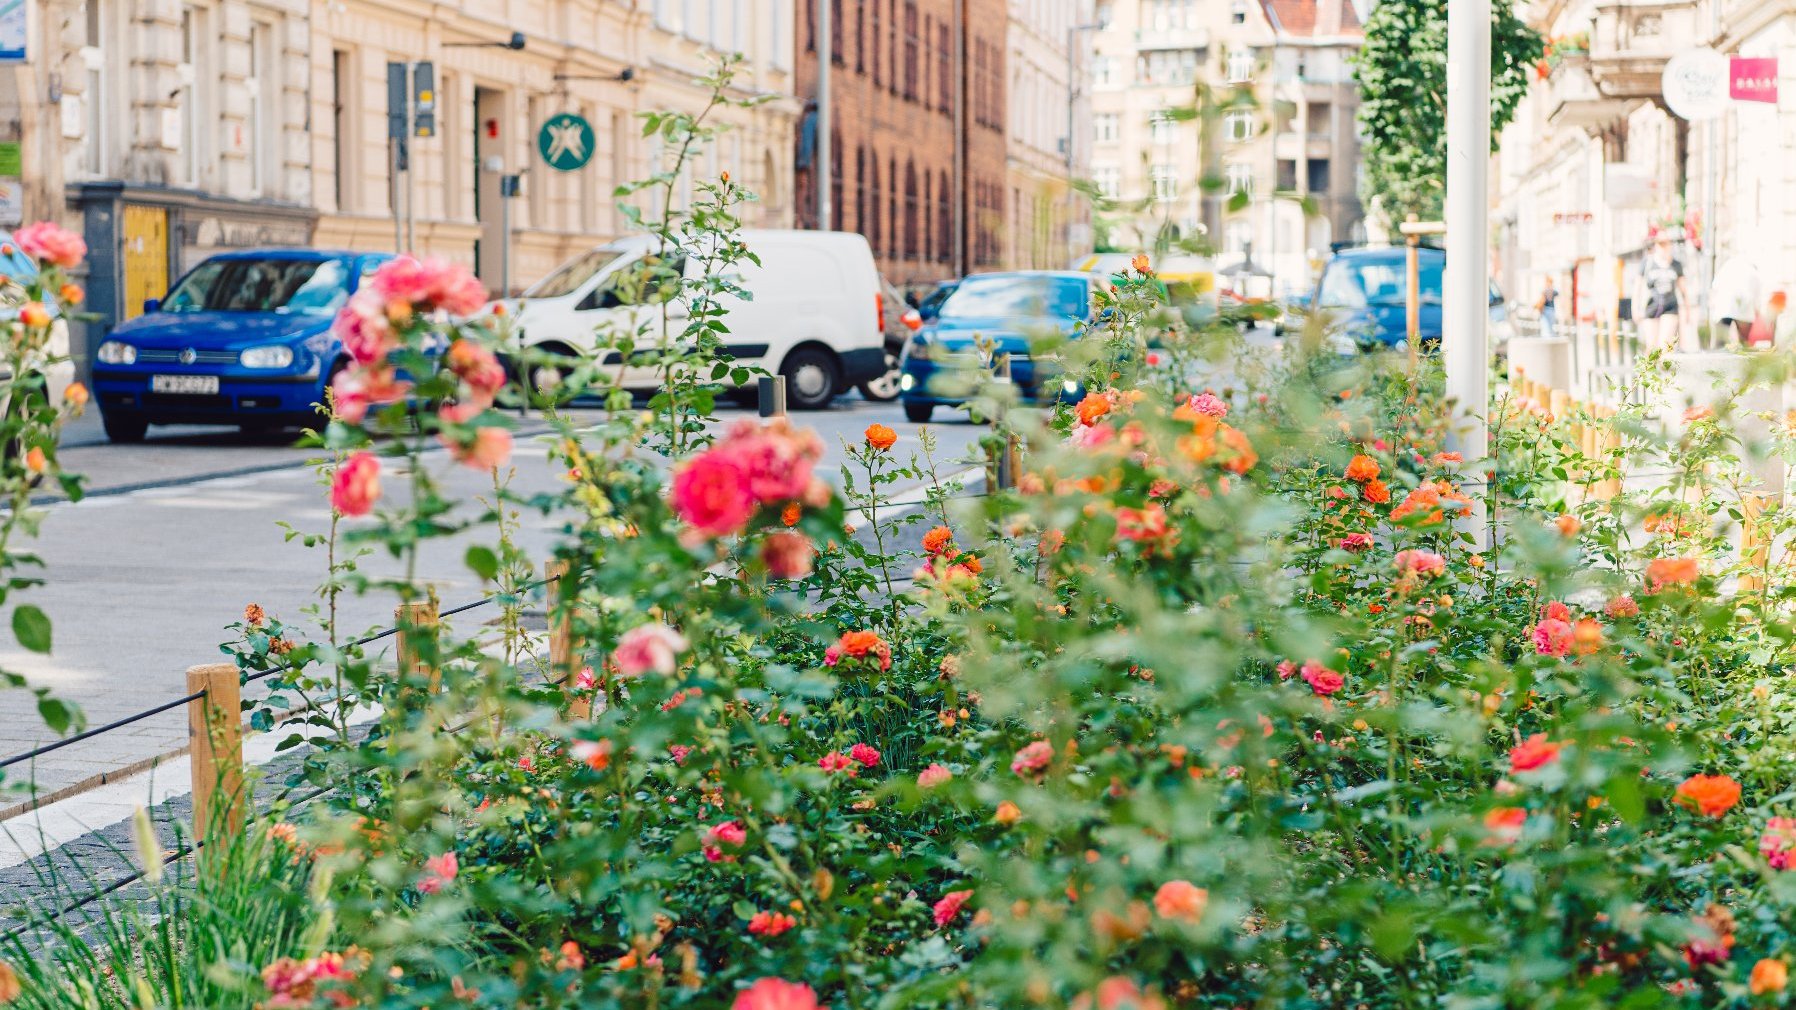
x: 193, y: 385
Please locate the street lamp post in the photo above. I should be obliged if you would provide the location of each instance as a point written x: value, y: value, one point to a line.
x: 825, y: 152
x: 1466, y: 312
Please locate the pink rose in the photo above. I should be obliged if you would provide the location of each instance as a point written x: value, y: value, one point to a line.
x: 355, y: 487
x: 776, y: 994
x: 51, y: 243
x: 933, y: 776
x: 1321, y: 679
x: 488, y: 449
x: 787, y: 554
x: 1420, y: 563
x: 1031, y: 760
x: 948, y: 908
x: 1552, y: 637
x: 356, y: 390
x: 428, y: 284
x: 836, y: 761
x: 864, y: 754
x: 363, y: 328
x: 649, y: 647
x: 477, y: 366
x: 1210, y: 404
x: 438, y: 872
x: 711, y: 493
x: 729, y: 833
x: 1356, y: 542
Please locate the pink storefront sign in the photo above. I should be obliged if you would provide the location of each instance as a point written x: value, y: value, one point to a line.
x: 1753, y: 79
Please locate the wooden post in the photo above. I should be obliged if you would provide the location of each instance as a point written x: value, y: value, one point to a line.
x: 417, y: 624
x: 563, y: 657
x: 1004, y: 466
x: 1754, y: 548
x: 215, y: 740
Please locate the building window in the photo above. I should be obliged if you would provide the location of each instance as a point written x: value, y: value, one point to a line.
x: 1106, y: 13
x: 1240, y: 178
x: 1238, y: 12
x: 911, y: 49
x: 94, y: 57
x: 810, y: 20
x: 1240, y: 66
x: 188, y: 96
x: 893, y: 233
x: 1320, y: 113
x: 835, y: 178
x: 1108, y: 180
x: 878, y: 34
x: 1168, y: 66
x: 870, y: 217
x: 1237, y: 237
x: 1238, y: 125
x: 944, y: 68
x: 860, y: 38
x: 1165, y: 180
x: 1104, y: 127
x: 837, y: 48
x: 1162, y: 128
x: 928, y: 233
x: 944, y: 235
x: 910, y: 211
x: 341, y: 163
x: 1103, y: 71
x: 1318, y: 175
x: 262, y: 131
x: 1171, y: 15
x: 860, y: 190
x: 1287, y: 175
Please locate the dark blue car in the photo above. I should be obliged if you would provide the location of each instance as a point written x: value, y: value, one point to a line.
x: 1012, y: 310
x: 244, y: 338
x: 1365, y: 292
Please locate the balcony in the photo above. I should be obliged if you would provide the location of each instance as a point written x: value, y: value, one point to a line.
x: 1631, y: 41
x: 1574, y: 101
x: 1293, y: 146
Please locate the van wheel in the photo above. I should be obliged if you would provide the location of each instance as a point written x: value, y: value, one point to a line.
x: 812, y: 378
x: 885, y: 388
x: 919, y: 413
x: 124, y: 429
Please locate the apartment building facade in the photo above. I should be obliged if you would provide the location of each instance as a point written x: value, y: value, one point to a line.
x: 1233, y: 121
x: 168, y: 130
x: 1596, y: 164
x: 917, y: 130
x: 1048, y: 70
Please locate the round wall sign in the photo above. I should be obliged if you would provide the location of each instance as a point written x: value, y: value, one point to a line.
x: 1695, y: 84
x: 566, y: 142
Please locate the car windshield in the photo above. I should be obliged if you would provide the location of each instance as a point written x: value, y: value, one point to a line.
x: 304, y: 287
x: 985, y: 297
x: 1354, y: 283
x: 572, y: 275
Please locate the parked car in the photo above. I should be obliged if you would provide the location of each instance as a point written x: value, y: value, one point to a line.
x: 814, y: 316
x: 1013, y: 310
x: 244, y: 338
x: 17, y: 270
x: 1365, y: 291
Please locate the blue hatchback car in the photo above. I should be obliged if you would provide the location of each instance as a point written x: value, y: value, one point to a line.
x: 244, y: 338
x: 1011, y: 310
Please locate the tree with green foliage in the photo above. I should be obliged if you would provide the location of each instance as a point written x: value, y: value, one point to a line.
x: 1402, y: 71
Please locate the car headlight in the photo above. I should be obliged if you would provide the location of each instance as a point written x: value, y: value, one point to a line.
x: 1069, y: 386
x: 271, y: 356
x: 116, y: 352
x: 917, y: 348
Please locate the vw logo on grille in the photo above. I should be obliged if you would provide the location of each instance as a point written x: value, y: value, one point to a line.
x: 189, y: 356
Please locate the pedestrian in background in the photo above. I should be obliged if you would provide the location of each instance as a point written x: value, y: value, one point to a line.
x: 1662, y: 279
x: 1548, y: 307
x: 1734, y: 302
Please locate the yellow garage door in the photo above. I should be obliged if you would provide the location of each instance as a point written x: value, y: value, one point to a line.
x: 146, y: 256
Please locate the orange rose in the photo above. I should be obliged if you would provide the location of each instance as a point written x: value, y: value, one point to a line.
x: 1375, y: 492
x: 1587, y: 636
x: 1713, y: 795
x: 1141, y: 263
x: 76, y: 394
x: 1569, y: 525
x: 1362, y: 468
x: 71, y: 293
x: 1768, y: 976
x: 1181, y: 899
x: 881, y: 437
x: 33, y: 314
x: 1008, y: 813
x: 936, y: 539
x: 1094, y: 406
x: 1533, y: 752
x: 1664, y: 572
x: 791, y: 514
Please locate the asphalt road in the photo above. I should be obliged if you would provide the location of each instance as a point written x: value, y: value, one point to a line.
x: 179, y: 533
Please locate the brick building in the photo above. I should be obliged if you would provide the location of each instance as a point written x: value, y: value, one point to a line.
x: 913, y: 91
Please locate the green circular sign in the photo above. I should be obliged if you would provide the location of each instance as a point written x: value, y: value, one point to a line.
x: 566, y: 142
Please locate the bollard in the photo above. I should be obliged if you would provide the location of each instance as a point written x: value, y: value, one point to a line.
x: 773, y: 395
x: 563, y: 656
x: 215, y: 741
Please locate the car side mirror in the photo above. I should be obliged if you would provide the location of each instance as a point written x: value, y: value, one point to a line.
x: 913, y: 320
x: 152, y: 305
x: 1495, y: 298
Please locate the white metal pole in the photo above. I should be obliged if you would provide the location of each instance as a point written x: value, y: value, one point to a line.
x: 1467, y: 286
x: 825, y: 155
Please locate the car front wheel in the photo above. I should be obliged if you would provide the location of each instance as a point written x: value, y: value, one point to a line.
x: 919, y: 413
x: 812, y: 378
x: 124, y: 429
x: 884, y: 389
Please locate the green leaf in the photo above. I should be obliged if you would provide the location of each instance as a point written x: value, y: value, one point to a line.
x: 31, y: 627
x: 483, y: 561
x: 56, y: 714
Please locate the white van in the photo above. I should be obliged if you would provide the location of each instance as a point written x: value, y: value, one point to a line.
x: 815, y: 314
